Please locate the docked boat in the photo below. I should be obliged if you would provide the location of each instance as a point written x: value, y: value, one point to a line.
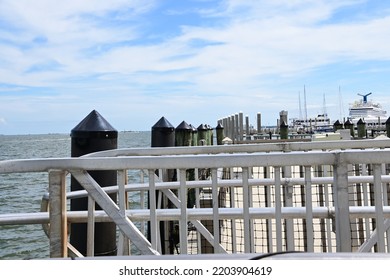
x: 368, y: 111
x: 320, y: 123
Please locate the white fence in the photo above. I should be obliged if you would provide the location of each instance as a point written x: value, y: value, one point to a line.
x: 313, y: 197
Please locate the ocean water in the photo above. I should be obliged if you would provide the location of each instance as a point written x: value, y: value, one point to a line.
x: 22, y: 192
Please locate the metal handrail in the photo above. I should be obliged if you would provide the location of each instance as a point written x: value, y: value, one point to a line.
x: 276, y: 156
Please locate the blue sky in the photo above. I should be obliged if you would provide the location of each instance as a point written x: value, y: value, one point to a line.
x: 135, y: 61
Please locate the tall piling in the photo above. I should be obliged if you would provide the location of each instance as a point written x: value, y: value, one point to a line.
x: 361, y: 128
x: 247, y: 128
x: 202, y: 135
x: 258, y: 119
x: 219, y: 132
x: 337, y: 126
x: 183, y: 134
x: 349, y: 125
x: 283, y: 130
x: 194, y: 136
x: 388, y: 127
x: 163, y: 135
x: 93, y: 134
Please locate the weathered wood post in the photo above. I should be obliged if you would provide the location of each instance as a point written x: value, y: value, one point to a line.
x: 183, y: 136
x: 259, y: 123
x: 283, y: 130
x: 247, y: 129
x: 202, y: 135
x: 388, y: 127
x: 349, y: 125
x: 93, y: 134
x: 361, y: 127
x: 194, y: 136
x: 219, y: 131
x: 337, y: 126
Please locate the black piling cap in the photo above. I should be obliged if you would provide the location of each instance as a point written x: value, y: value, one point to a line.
x: 388, y: 121
x: 194, y: 129
x: 164, y: 124
x: 360, y: 121
x: 202, y: 127
x: 219, y: 126
x: 283, y: 124
x: 348, y: 122
x: 184, y: 126
x: 94, y: 126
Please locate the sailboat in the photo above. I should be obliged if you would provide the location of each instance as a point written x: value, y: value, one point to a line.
x: 318, y: 124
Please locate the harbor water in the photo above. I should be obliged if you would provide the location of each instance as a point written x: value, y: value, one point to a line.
x: 23, y: 192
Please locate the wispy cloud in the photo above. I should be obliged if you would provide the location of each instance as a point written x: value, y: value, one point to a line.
x: 139, y: 55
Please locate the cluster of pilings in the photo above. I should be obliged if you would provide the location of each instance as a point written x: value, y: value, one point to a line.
x: 94, y: 134
x: 234, y: 126
x: 362, y: 130
x: 164, y: 134
x: 238, y: 128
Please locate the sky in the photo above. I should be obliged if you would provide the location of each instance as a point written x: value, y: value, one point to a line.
x: 198, y: 61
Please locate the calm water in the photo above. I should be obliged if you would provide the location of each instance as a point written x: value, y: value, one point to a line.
x: 23, y: 192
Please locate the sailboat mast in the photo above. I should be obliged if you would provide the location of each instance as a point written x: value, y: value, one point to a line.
x: 304, y: 96
x: 300, y: 107
x: 324, y: 107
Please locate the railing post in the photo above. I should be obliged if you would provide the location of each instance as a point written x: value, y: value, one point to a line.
x: 341, y: 201
x: 309, y: 210
x: 288, y: 202
x: 215, y: 201
x: 123, y: 242
x: 153, y: 229
x: 57, y: 215
x: 379, y: 216
x: 278, y: 209
x: 183, y: 210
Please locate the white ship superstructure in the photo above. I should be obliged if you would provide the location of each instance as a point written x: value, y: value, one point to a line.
x: 370, y: 112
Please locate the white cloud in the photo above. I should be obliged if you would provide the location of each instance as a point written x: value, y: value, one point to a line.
x: 248, y: 50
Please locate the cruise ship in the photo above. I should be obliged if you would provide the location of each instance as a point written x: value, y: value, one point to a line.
x: 370, y: 112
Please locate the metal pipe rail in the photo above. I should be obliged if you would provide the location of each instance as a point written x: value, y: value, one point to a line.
x: 247, y: 158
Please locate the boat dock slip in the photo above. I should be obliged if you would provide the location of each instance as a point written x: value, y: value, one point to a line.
x: 321, y: 197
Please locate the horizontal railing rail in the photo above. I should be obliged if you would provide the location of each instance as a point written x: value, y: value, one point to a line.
x: 287, y: 177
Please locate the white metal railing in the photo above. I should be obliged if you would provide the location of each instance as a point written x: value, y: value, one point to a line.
x: 265, y: 170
